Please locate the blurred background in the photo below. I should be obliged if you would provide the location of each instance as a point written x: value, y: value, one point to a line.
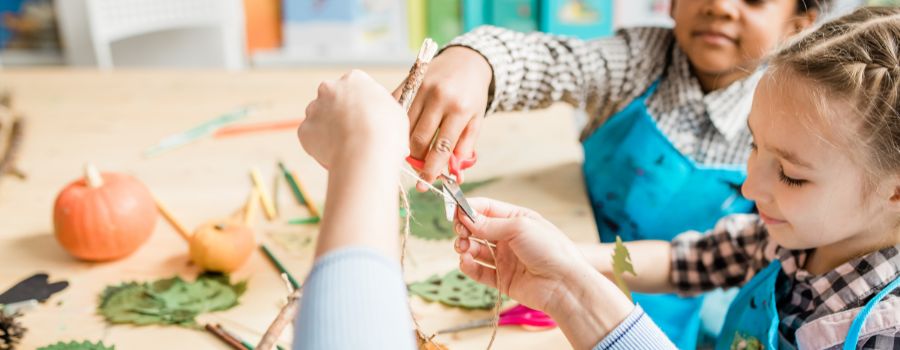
x: 238, y: 34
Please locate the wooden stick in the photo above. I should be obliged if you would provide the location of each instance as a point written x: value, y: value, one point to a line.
x: 11, y: 155
x: 268, y: 206
x: 181, y: 229
x: 227, y: 338
x: 285, y: 316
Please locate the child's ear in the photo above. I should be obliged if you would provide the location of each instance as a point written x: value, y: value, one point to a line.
x: 894, y: 201
x: 804, y: 20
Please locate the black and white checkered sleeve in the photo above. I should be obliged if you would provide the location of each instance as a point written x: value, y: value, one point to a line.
x: 726, y: 256
x: 534, y: 70
x: 886, y: 340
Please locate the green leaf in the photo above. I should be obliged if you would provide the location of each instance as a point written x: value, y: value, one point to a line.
x: 455, y: 289
x: 428, y: 218
x: 621, y: 264
x: 168, y: 301
x: 73, y: 345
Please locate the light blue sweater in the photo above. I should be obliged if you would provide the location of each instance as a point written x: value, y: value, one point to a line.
x: 355, y: 298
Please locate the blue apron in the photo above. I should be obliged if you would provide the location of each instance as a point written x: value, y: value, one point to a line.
x: 641, y: 187
x: 753, y: 316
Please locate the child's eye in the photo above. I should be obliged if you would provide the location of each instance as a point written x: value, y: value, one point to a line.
x: 754, y: 2
x: 791, y: 182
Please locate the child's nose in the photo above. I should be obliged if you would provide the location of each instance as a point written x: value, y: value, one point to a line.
x: 754, y: 189
x: 721, y: 8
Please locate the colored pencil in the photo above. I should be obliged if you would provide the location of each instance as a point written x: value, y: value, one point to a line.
x: 279, y: 266
x: 235, y: 130
x: 268, y: 207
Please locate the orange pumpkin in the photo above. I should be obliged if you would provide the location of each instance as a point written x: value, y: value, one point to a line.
x: 104, y: 216
x: 222, y: 245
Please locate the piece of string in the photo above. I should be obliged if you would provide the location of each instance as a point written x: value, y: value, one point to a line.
x: 407, y: 95
x: 490, y: 246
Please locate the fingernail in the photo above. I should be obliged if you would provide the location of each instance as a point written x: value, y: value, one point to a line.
x: 463, y: 244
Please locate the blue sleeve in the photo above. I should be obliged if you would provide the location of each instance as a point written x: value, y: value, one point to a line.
x: 637, y: 331
x: 354, y: 298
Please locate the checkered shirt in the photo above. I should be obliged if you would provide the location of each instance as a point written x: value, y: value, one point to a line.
x: 603, y: 76
x: 739, y: 247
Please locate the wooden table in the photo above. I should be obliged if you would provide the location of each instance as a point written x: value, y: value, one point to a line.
x: 109, y: 118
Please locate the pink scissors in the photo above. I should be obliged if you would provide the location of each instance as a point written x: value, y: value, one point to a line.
x: 456, y: 166
x: 519, y: 315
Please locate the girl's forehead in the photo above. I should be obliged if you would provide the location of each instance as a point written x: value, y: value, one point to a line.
x: 793, y: 113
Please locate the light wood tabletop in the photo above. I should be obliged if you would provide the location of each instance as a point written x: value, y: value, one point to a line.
x: 110, y: 118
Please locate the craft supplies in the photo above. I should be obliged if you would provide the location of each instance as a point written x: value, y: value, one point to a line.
x: 455, y: 289
x: 231, y: 335
x: 74, y: 345
x: 429, y: 221
x: 11, y: 330
x: 225, y: 337
x: 519, y: 315
x: 36, y: 287
x: 278, y: 265
x: 305, y: 221
x: 170, y: 301
x: 220, y: 245
x: 267, y: 203
x: 235, y: 130
x: 284, y: 318
x: 103, y: 217
x: 300, y: 193
x: 196, y: 133
x: 12, y: 131
x: 621, y: 263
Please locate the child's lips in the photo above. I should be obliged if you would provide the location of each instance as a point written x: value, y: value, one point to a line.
x: 713, y: 37
x: 770, y: 221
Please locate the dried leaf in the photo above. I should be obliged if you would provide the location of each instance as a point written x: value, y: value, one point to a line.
x: 169, y: 301
x: 455, y: 289
x: 73, y: 345
x: 621, y: 264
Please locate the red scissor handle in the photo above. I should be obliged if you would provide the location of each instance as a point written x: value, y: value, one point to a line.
x: 455, y: 167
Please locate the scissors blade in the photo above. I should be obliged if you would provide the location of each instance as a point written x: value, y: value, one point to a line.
x: 460, y: 198
x: 449, y: 204
x: 467, y: 326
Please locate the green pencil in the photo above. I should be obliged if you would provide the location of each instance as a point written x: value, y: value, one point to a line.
x: 279, y: 266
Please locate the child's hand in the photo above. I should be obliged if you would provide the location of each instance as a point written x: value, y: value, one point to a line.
x: 453, y: 97
x: 352, y: 118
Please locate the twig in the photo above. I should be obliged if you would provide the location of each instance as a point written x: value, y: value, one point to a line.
x: 11, y: 155
x: 285, y: 316
x: 225, y: 337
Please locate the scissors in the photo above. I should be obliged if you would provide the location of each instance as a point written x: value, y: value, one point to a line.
x: 456, y: 166
x: 453, y: 194
x: 519, y: 315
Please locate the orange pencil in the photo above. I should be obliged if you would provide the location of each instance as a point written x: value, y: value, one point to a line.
x: 235, y: 130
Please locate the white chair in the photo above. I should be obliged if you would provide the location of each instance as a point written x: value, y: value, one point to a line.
x: 222, y: 22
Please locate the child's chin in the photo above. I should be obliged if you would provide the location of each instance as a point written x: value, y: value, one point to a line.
x: 785, y: 238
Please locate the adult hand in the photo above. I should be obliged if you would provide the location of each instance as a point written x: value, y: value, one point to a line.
x: 353, y: 117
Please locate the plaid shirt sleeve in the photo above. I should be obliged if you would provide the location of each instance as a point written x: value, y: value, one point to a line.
x: 727, y: 256
x: 887, y: 340
x: 534, y: 70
